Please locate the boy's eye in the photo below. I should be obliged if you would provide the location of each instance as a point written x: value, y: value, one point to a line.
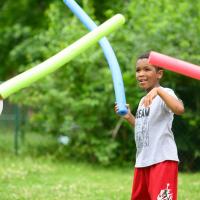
x: 147, y: 69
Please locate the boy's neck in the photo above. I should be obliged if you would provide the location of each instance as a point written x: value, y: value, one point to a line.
x: 149, y: 89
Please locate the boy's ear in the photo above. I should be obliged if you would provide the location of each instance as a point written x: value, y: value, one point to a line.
x: 160, y: 74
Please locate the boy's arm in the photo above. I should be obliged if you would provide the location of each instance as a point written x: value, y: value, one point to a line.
x: 175, y: 105
x: 129, y: 116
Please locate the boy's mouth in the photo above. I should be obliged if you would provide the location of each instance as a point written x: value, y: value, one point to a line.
x: 142, y: 81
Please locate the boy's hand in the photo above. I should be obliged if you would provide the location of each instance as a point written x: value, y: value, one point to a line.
x: 129, y: 117
x: 147, y: 100
x: 126, y: 116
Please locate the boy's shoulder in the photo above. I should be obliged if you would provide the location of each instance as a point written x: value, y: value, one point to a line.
x: 169, y: 91
x: 166, y: 88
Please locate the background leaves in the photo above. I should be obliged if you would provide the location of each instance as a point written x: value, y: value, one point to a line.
x: 78, y: 99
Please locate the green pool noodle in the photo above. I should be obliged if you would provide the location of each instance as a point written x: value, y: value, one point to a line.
x: 50, y: 65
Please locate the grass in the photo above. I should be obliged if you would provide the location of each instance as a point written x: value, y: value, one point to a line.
x: 42, y: 178
x: 189, y: 186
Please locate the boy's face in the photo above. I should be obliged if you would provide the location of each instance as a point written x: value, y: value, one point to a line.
x: 147, y: 75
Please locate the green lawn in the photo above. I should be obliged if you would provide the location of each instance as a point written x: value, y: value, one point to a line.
x: 44, y: 179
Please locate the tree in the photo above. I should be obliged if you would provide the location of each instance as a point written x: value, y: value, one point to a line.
x: 78, y: 99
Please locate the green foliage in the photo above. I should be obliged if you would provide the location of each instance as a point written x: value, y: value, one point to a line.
x: 78, y: 99
x: 16, y: 27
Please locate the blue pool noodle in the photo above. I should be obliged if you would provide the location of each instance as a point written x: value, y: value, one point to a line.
x: 109, y: 54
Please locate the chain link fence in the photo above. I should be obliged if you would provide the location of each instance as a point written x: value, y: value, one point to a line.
x: 10, y: 125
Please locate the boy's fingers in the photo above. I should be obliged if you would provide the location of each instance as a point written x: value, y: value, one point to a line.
x: 116, y: 107
x: 146, y: 102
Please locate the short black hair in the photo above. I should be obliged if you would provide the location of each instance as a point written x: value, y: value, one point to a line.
x: 146, y: 56
x: 143, y: 56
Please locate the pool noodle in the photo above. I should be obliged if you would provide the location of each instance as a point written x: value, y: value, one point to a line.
x: 109, y: 54
x: 30, y: 76
x: 175, y: 65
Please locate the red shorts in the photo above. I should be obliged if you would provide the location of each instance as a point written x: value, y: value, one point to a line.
x: 156, y: 182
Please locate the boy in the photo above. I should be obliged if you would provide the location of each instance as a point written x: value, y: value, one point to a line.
x: 156, y: 168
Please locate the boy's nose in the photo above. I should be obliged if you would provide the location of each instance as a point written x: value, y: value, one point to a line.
x: 141, y: 73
